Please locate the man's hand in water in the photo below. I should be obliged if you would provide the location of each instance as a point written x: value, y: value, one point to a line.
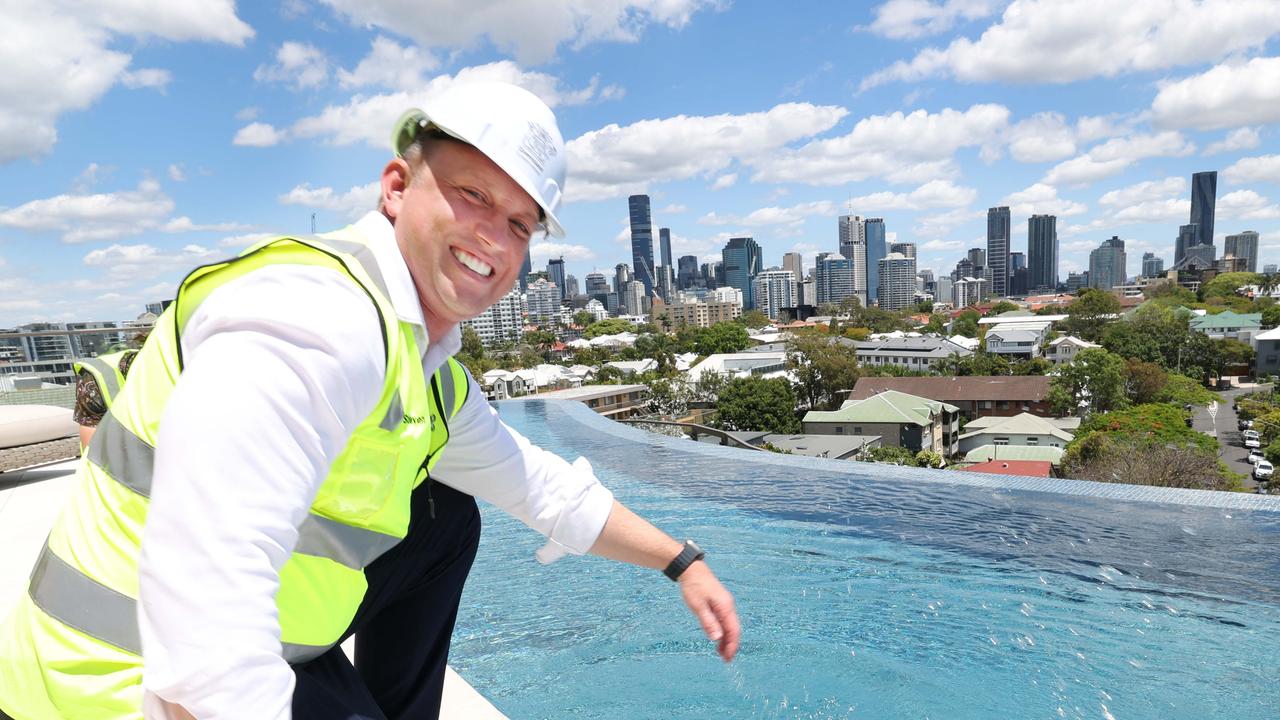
x: 713, y: 606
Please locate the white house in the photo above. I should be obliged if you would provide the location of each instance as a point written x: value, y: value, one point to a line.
x: 1065, y: 349
x: 1022, y: 429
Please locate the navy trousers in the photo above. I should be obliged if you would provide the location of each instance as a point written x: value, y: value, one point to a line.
x: 403, y: 626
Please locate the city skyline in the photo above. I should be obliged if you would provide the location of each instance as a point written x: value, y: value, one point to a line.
x: 192, y: 137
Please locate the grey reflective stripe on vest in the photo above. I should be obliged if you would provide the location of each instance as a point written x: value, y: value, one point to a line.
x: 294, y: 653
x: 394, y: 416
x: 362, y: 253
x: 77, y: 600
x: 448, y: 391
x: 344, y: 544
x: 127, y: 458
x: 108, y: 375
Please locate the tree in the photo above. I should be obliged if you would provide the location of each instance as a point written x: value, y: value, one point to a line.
x: 966, y: 324
x: 1226, y: 284
x: 1145, y: 445
x: 1144, y: 381
x: 708, y: 387
x: 1003, y: 306
x: 924, y: 306
x: 1271, y: 316
x: 1181, y: 390
x: 823, y: 368
x: 937, y: 324
x: 471, y: 343
x: 930, y: 459
x: 724, y: 337
x: 1096, y: 378
x: 608, y: 326
x: 754, y: 319
x: 583, y: 319
x: 754, y: 403
x: 892, y: 454
x: 1034, y: 366
x: 668, y: 396
x: 1090, y: 313
x: 1168, y: 292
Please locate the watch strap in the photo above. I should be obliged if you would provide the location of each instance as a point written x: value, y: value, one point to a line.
x: 690, y: 554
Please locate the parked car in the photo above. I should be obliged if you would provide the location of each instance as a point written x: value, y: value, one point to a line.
x: 1250, y: 433
x: 1252, y: 442
x: 1244, y: 424
x: 1254, y: 456
x: 1263, y: 470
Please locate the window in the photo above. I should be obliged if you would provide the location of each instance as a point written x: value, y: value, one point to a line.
x: 857, y: 430
x: 984, y: 405
x: 1003, y: 404
x: 839, y: 429
x: 1000, y: 441
x: 1033, y: 440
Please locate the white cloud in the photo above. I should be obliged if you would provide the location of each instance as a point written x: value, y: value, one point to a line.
x: 390, y: 65
x: 300, y: 65
x: 1117, y: 155
x: 725, y: 181
x: 1247, y: 205
x: 940, y: 224
x: 249, y: 113
x: 184, y: 224
x: 915, y: 147
x: 1170, y: 211
x: 1229, y: 95
x: 368, y: 118
x: 933, y: 194
x: 58, y: 57
x: 543, y: 251
x: 909, y: 19
x: 240, y: 242
x: 1042, y: 137
x: 89, y: 177
x: 1041, y: 199
x: 1264, y: 168
x: 146, y: 78
x: 260, y: 135
x: 673, y: 209
x: 943, y: 245
x: 1144, y: 191
x: 146, y: 261
x: 793, y: 216
x: 1244, y: 138
x: 616, y: 161
x: 1061, y: 41
x: 177, y: 173
x: 101, y: 216
x: 529, y: 31
x: 353, y: 203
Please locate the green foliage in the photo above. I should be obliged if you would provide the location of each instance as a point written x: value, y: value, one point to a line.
x: 891, y: 454
x: 608, y: 326
x: 966, y: 324
x: 1091, y: 313
x: 1153, y: 423
x: 668, y: 396
x: 1169, y: 293
x: 1272, y: 453
x: 1003, y: 306
x: 539, y: 338
x: 1144, y: 381
x: 608, y: 374
x: 708, y: 387
x: 930, y: 459
x: 1034, y: 366
x: 823, y: 368
x: 924, y: 306
x: 753, y: 319
x: 471, y: 344
x: 1095, y: 376
x: 937, y: 324
x: 583, y: 319
x: 725, y: 337
x: 979, y: 363
x: 754, y: 403
x: 1226, y: 284
x: 774, y: 448
x: 1161, y: 335
x: 1233, y: 353
x: 1146, y: 445
x: 1268, y: 427
x: 1271, y: 316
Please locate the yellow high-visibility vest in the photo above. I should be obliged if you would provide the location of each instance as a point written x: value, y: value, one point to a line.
x: 71, y: 647
x: 105, y: 370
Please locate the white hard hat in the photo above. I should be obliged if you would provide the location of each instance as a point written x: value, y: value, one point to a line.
x: 510, y: 125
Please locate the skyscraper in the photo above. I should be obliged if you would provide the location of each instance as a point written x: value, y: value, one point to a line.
x: 741, y: 265
x: 555, y: 271
x: 525, y: 269
x: 833, y: 279
x: 1107, y: 264
x: 897, y: 281
x: 1243, y: 245
x: 795, y: 263
x: 596, y: 284
x: 998, y: 223
x: 570, y: 286
x: 1187, y: 235
x: 642, y: 241
x: 873, y: 235
x: 853, y: 245
x: 687, y: 274
x: 1042, y: 251
x: 903, y: 248
x: 773, y: 290
x: 1204, y: 199
x: 1152, y: 266
x: 668, y: 277
x: 621, y: 276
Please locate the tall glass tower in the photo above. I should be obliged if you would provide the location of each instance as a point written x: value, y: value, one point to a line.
x: 642, y: 241
x: 1204, y: 199
x: 1042, y: 251
x: 741, y: 265
x: 998, y: 249
x: 874, y: 234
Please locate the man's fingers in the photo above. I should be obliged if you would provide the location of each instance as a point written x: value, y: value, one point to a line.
x: 727, y: 617
x: 710, y: 623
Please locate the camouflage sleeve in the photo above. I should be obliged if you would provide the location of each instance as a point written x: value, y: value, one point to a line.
x: 90, y: 407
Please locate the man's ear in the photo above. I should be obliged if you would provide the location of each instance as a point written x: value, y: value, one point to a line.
x: 395, y: 180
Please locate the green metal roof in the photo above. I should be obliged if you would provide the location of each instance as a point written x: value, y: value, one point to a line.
x: 889, y: 406
x: 984, y: 453
x: 1227, y: 319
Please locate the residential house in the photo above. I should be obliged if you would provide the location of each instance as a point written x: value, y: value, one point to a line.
x: 1014, y: 343
x: 901, y: 420
x: 976, y: 395
x: 989, y: 453
x: 1229, y: 325
x: 1024, y: 468
x: 1021, y: 429
x: 731, y: 365
x: 617, y: 402
x: 1266, y: 346
x: 835, y: 447
x: 634, y: 367
x: 910, y: 353
x: 1064, y: 349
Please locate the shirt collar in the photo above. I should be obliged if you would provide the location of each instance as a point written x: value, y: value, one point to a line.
x: 381, y: 235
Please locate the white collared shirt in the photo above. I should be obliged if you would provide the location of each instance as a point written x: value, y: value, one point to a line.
x: 280, y: 367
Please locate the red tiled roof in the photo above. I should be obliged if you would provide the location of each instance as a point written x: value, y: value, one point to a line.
x: 1033, y: 388
x: 1033, y: 468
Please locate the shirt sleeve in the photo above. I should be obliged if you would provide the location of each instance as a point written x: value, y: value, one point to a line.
x: 280, y: 366
x: 90, y: 406
x: 493, y: 462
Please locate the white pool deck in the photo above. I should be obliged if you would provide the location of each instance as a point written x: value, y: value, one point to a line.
x: 29, y: 502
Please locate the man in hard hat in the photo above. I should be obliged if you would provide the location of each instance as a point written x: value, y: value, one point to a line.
x: 295, y: 455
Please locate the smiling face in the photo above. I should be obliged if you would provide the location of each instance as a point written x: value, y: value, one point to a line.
x: 463, y: 226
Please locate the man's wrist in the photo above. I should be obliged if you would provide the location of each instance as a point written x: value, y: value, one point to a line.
x: 689, y: 554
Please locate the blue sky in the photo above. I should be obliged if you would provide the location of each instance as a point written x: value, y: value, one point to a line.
x: 139, y: 138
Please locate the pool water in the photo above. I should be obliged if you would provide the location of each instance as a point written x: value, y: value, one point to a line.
x: 868, y: 591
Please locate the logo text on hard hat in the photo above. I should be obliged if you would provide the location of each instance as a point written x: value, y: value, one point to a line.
x: 537, y: 147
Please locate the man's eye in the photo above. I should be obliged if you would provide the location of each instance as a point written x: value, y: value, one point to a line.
x: 474, y: 194
x: 521, y: 230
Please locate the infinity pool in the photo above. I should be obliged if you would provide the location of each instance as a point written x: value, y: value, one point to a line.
x: 869, y: 591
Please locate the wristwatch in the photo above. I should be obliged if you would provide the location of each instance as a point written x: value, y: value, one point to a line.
x: 688, y: 556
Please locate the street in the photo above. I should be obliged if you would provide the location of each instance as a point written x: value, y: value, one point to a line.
x: 1223, y: 424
